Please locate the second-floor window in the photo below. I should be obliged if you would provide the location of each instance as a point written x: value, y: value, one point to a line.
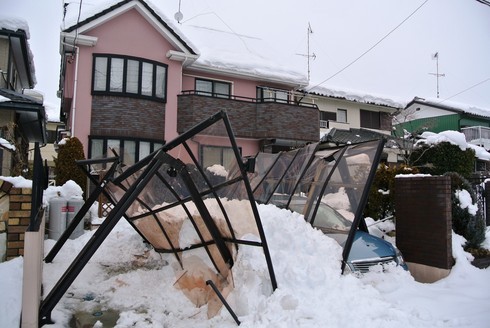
x: 370, y: 120
x: 213, y: 88
x: 342, y: 115
x: 265, y: 94
x: 129, y: 76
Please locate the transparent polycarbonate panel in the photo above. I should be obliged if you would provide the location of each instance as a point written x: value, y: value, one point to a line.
x: 346, y: 184
x: 168, y: 204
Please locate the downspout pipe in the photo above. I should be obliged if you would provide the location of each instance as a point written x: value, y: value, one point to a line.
x: 75, y: 87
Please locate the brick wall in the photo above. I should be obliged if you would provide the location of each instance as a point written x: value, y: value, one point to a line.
x: 424, y: 220
x: 127, y: 117
x: 18, y: 220
x: 250, y: 119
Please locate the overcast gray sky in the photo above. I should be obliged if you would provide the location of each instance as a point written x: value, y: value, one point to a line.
x: 396, y: 37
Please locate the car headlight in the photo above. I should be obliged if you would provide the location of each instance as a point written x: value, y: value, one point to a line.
x: 399, y: 257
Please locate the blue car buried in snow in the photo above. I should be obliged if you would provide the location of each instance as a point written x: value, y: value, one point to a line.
x: 367, y: 251
x: 330, y: 187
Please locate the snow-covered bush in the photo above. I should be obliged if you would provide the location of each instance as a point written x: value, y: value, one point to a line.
x: 467, y: 219
x: 434, y: 159
x: 381, y: 199
x: 70, y: 150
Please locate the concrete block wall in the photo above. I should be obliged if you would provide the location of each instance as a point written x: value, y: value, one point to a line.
x: 424, y: 223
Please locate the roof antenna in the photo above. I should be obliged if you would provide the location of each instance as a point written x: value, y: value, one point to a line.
x: 308, y: 56
x: 178, y: 15
x: 436, y: 74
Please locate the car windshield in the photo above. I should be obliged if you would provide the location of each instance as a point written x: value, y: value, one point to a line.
x: 327, y: 219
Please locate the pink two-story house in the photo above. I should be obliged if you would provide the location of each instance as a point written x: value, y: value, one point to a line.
x: 132, y: 79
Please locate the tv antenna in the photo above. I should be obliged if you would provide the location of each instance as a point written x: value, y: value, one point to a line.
x: 436, y: 74
x: 308, y: 56
x: 178, y: 15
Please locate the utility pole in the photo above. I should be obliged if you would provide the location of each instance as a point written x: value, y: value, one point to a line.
x: 436, y: 74
x: 308, y: 56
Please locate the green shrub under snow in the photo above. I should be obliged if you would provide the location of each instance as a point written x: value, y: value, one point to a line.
x: 381, y: 199
x: 467, y: 219
x: 65, y: 165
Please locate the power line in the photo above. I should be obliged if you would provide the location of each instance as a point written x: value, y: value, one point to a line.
x: 371, y: 48
x: 467, y: 89
x: 485, y: 2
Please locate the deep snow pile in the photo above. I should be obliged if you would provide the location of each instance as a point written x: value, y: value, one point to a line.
x: 127, y: 276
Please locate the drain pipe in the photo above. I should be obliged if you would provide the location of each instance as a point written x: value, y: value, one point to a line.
x: 75, y: 83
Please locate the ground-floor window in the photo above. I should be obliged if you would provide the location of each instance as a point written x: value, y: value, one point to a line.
x: 129, y: 150
x: 211, y: 155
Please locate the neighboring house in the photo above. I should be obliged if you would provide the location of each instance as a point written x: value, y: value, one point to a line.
x: 436, y: 115
x: 132, y: 80
x: 345, y: 109
x: 348, y: 116
x: 22, y: 117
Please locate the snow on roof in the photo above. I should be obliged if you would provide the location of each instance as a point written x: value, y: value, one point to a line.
x: 220, y: 49
x: 19, y: 24
x: 357, y: 96
x: 6, y: 144
x: 2, y: 99
x: 466, y: 108
x: 14, y: 24
x: 455, y: 138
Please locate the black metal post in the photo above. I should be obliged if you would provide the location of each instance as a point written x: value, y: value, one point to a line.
x: 225, y: 303
x: 94, y: 243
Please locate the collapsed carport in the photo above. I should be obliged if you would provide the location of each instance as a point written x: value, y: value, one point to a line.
x: 338, y: 177
x: 178, y: 207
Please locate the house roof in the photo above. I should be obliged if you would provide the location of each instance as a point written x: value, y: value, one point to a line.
x: 17, y: 30
x: 106, y: 9
x: 30, y: 111
x: 216, y: 49
x: 341, y: 137
x: 356, y: 96
x: 450, y: 106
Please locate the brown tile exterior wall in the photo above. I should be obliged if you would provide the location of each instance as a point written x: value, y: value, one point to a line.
x: 18, y: 220
x: 250, y: 119
x: 127, y: 117
x: 424, y: 220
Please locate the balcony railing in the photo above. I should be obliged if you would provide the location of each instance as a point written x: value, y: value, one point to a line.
x: 249, y: 99
x: 477, y: 135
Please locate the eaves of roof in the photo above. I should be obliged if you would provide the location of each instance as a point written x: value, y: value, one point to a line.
x: 379, y: 104
x: 271, y: 78
x: 442, y: 106
x: 31, y: 114
x: 121, y: 4
x: 20, y: 51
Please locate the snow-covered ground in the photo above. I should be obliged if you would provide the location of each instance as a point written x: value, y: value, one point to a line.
x: 130, y: 278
